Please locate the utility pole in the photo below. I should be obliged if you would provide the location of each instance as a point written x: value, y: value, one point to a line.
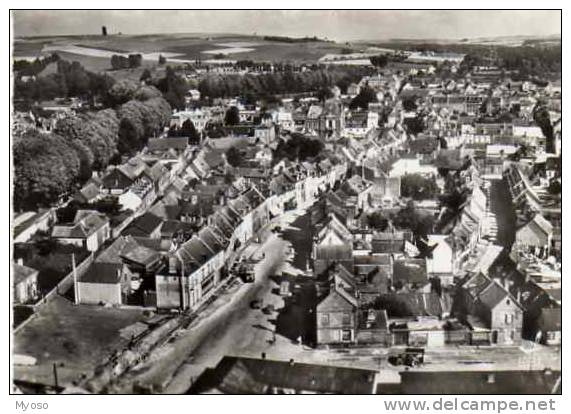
x: 55, y: 375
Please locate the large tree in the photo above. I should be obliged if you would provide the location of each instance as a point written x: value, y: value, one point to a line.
x: 418, y: 187
x: 45, y: 167
x: 366, y: 96
x: 232, y: 116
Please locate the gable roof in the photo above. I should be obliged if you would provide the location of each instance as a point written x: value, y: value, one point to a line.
x: 86, y: 223
x: 240, y: 375
x: 336, y: 226
x: 476, y: 382
x: 407, y: 304
x: 492, y: 295
x: 21, y: 272
x: 141, y: 255
x: 545, y: 226
x: 116, y: 179
x: 144, y: 225
x: 87, y: 193
x: 103, y: 273
x: 337, y: 300
x: 133, y: 168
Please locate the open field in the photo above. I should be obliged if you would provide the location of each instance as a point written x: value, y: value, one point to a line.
x: 94, y: 52
x: 80, y: 337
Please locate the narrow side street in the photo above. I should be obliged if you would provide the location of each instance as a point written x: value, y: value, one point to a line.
x: 501, y: 206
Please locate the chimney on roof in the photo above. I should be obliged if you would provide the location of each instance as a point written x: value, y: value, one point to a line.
x: 20, y: 261
x: 172, y: 265
x: 291, y: 362
x: 491, y: 378
x: 263, y: 355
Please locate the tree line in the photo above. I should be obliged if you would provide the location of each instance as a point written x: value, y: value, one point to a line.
x: 132, y: 61
x: 219, y: 86
x: 25, y: 67
x: 69, y: 80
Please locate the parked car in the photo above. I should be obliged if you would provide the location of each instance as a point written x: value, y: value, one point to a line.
x: 411, y: 357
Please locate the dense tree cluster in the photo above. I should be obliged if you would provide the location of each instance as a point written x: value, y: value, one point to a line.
x: 69, y: 80
x: 234, y: 157
x: 187, y: 129
x: 377, y: 221
x: 542, y: 118
x: 32, y: 68
x: 232, y: 116
x: 415, y: 125
x: 174, y: 88
x: 298, y: 147
x: 409, y: 104
x: 379, y: 61
x: 418, y: 187
x: 93, y: 135
x: 132, y: 61
x: 287, y: 39
x: 218, y: 86
x: 141, y: 120
x: 366, y: 96
x: 411, y: 218
x: 47, y: 166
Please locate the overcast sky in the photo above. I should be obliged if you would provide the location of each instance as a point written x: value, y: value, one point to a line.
x: 337, y: 25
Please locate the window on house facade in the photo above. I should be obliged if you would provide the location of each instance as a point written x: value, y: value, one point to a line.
x: 346, y: 335
x: 509, y: 318
x: 346, y: 320
x: 324, y: 319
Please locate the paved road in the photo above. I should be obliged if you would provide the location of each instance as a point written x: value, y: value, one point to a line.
x: 501, y: 205
x: 228, y: 326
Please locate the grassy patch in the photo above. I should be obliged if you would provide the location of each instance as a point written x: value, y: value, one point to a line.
x: 80, y: 337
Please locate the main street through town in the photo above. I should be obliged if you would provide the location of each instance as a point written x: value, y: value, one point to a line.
x: 228, y: 325
x: 231, y: 325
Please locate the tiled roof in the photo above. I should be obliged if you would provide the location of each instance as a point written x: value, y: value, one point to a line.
x: 337, y: 300
x: 86, y: 223
x: 492, y: 295
x: 239, y: 375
